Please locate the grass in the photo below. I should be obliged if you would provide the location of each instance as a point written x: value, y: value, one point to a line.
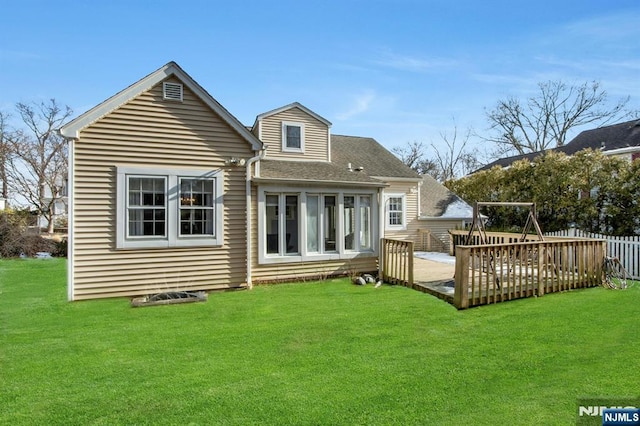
x: 314, y: 353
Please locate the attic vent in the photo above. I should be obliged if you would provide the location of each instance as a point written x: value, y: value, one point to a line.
x: 172, y: 91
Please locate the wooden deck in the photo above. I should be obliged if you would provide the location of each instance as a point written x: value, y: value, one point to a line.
x: 493, y: 273
x: 499, y: 272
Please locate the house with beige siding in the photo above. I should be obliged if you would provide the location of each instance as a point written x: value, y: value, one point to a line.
x: 169, y: 191
x: 440, y: 211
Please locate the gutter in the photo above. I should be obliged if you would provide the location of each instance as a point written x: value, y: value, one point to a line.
x: 70, y: 215
x: 307, y: 183
x: 625, y: 150
x: 262, y: 154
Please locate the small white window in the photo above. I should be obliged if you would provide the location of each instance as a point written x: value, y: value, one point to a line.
x: 172, y: 91
x: 395, y: 211
x: 292, y: 136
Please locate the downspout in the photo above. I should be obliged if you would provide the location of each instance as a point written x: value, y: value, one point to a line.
x: 71, y: 219
x: 250, y: 161
x: 381, y: 228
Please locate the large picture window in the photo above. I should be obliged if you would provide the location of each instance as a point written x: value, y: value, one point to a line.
x: 173, y: 208
x: 315, y: 226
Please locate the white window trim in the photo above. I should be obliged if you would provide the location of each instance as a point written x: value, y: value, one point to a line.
x: 357, y: 231
x: 387, y: 216
x: 212, y: 207
x: 340, y: 253
x: 172, y: 217
x: 127, y: 207
x: 285, y: 148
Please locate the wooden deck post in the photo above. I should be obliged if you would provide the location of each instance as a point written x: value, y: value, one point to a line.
x: 410, y: 263
x: 542, y: 253
x: 461, y: 295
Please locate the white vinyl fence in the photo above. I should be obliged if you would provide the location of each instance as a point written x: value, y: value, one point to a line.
x: 627, y: 249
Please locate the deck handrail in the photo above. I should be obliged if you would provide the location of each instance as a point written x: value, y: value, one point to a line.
x: 396, y: 263
x: 492, y: 273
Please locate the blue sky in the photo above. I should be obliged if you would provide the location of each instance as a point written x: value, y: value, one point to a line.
x: 399, y: 71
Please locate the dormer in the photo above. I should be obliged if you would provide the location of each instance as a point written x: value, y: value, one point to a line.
x: 294, y: 132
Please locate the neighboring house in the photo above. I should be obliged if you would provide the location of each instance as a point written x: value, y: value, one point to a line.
x: 440, y: 211
x: 59, y: 206
x: 3, y: 203
x: 621, y: 140
x: 170, y: 191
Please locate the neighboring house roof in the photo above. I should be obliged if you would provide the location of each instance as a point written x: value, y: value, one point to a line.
x: 608, y: 139
x: 290, y: 106
x: 437, y: 202
x: 73, y: 128
x: 367, y: 153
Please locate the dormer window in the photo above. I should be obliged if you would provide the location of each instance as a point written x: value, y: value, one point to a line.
x: 292, y: 137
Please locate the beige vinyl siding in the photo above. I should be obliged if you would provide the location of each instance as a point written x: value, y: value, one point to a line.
x: 316, y: 136
x: 151, y: 132
x: 440, y: 229
x: 411, y: 200
x: 300, y: 271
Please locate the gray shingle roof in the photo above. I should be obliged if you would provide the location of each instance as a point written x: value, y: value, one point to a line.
x: 437, y: 201
x: 313, y: 171
x: 369, y: 154
x: 607, y: 138
x: 374, y: 159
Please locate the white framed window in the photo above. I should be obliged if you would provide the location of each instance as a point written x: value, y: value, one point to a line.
x: 292, y: 136
x: 321, y: 223
x: 395, y: 212
x: 146, y: 210
x: 174, y: 208
x: 357, y: 222
x: 313, y: 225
x: 197, y: 206
x: 283, y: 224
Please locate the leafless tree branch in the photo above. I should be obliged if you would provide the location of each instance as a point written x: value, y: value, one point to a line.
x: 38, y: 166
x: 544, y: 120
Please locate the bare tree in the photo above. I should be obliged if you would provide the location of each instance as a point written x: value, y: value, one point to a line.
x: 413, y: 156
x: 38, y: 169
x: 458, y: 160
x: 5, y: 151
x: 544, y: 120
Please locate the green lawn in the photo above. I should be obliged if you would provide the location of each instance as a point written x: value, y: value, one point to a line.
x: 315, y: 353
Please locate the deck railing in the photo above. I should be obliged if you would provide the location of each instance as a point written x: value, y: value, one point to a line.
x: 396, y: 263
x: 494, y: 273
x: 429, y: 242
x: 459, y: 238
x: 626, y: 249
